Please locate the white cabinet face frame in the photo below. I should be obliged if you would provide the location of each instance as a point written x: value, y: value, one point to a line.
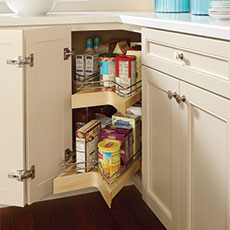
x: 12, y: 122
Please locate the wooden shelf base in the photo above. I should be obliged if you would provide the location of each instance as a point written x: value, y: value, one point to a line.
x: 67, y: 182
x: 82, y: 100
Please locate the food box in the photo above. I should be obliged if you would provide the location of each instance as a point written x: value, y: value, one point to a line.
x: 91, y: 64
x: 105, y: 121
x: 121, y: 47
x: 129, y: 121
x: 87, y: 139
x: 107, y: 47
x: 80, y: 66
x: 122, y: 135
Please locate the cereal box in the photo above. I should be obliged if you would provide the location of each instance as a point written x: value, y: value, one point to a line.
x: 87, y: 139
x: 129, y: 121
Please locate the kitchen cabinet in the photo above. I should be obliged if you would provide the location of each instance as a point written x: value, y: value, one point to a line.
x: 185, y: 120
x: 186, y: 139
x: 36, y: 122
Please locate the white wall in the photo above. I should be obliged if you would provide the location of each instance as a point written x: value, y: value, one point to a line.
x: 97, y: 5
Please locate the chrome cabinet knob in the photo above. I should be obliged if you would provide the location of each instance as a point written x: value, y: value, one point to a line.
x: 179, y: 56
x: 180, y: 99
x: 171, y: 94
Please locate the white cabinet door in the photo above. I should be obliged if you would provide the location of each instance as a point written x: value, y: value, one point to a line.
x: 35, y: 118
x: 48, y: 106
x: 160, y: 146
x: 205, y: 160
x: 12, y: 133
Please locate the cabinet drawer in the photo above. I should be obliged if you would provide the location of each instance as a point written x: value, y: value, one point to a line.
x: 201, y: 61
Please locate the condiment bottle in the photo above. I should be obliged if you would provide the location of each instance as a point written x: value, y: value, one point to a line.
x: 97, y: 41
x: 89, y: 45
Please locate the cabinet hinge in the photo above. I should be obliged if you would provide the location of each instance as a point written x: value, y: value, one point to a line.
x: 68, y: 154
x: 68, y: 53
x: 20, y: 61
x: 21, y: 175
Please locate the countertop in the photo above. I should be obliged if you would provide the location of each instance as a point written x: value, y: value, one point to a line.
x: 186, y: 23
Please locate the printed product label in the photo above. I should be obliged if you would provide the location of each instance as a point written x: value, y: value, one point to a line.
x: 108, y: 72
x: 110, y: 162
x: 80, y: 144
x: 108, y: 78
x: 123, y: 124
x: 124, y: 80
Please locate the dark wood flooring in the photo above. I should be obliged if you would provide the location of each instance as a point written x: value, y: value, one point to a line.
x: 83, y: 212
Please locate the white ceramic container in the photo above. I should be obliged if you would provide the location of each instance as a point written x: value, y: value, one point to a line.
x: 31, y: 7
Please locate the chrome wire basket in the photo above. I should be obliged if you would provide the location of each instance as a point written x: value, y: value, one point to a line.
x: 70, y: 166
x: 92, y: 82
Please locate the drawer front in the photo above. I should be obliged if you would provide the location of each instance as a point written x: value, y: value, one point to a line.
x: 201, y: 61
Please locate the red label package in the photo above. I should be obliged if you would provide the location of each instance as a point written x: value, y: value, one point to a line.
x: 87, y: 139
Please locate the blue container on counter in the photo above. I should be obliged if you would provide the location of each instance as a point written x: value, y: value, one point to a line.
x: 172, y: 6
x: 200, y: 7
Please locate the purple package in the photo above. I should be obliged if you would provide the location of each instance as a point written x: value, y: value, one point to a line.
x: 128, y: 132
x: 119, y: 134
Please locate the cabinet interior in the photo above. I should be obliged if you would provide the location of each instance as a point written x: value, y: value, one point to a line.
x: 79, y: 37
x: 78, y: 44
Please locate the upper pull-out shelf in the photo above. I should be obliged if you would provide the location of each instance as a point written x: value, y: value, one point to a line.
x: 82, y: 100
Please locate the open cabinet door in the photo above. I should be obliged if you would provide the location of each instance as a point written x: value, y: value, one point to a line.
x: 12, y: 136
x: 48, y: 106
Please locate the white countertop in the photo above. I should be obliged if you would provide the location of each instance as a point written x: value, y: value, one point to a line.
x: 186, y: 23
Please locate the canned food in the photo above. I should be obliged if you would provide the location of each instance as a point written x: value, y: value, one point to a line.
x: 107, y: 70
x: 109, y: 156
x: 125, y: 73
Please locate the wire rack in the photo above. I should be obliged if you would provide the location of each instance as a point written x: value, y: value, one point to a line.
x: 68, y: 166
x: 92, y: 82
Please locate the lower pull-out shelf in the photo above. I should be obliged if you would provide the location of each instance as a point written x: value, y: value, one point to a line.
x: 82, y: 100
x: 71, y: 181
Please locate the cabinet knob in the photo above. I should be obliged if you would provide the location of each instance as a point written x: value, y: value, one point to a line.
x: 180, y: 99
x: 179, y: 56
x: 171, y: 94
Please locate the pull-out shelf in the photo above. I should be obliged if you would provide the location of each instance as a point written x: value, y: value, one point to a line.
x: 71, y: 181
x: 82, y: 100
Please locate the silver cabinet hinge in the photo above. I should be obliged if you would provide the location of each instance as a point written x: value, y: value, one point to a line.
x: 21, y: 175
x: 68, y: 53
x: 20, y: 61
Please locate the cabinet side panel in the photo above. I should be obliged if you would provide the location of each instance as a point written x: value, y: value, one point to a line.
x: 48, y: 106
x: 11, y: 118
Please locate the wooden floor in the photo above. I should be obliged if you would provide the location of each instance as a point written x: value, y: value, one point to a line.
x: 83, y: 212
